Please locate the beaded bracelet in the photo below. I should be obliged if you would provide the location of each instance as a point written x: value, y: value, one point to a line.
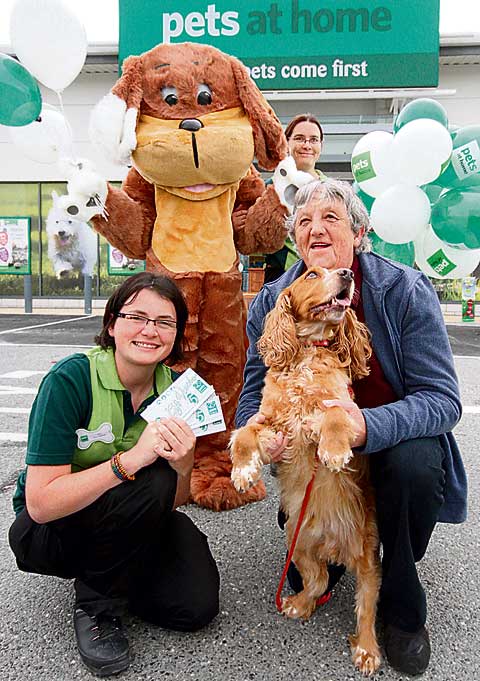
x: 118, y: 470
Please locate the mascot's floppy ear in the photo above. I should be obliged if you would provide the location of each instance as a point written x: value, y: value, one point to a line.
x: 114, y: 119
x: 270, y: 142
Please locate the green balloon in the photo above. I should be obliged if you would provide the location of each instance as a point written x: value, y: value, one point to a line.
x: 433, y: 191
x: 466, y: 146
x: 365, y: 198
x: 455, y: 217
x: 20, y: 101
x: 421, y: 108
x: 404, y: 253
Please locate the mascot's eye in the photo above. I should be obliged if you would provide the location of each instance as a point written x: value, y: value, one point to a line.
x: 312, y: 275
x: 170, y: 95
x: 204, y: 95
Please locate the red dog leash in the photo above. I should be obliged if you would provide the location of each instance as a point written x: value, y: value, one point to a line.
x: 278, y: 598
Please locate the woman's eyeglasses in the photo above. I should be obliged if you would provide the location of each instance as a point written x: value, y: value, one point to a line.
x: 140, y: 321
x: 301, y: 139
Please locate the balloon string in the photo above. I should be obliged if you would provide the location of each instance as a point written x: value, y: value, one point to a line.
x: 68, y: 151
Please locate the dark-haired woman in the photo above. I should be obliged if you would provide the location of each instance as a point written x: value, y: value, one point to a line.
x: 97, y: 500
x: 305, y: 137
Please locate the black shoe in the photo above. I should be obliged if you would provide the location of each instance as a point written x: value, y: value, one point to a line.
x: 407, y: 652
x: 101, y: 643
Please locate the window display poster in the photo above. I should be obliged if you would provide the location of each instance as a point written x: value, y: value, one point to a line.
x: 469, y: 286
x: 120, y: 264
x: 15, y: 245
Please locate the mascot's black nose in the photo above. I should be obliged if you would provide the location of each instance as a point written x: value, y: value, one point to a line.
x: 190, y: 124
x: 346, y: 274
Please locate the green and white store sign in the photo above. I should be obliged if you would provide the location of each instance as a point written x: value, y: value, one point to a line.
x: 300, y: 44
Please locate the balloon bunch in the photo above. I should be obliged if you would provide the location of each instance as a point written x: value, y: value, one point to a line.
x: 421, y: 185
x: 51, y: 45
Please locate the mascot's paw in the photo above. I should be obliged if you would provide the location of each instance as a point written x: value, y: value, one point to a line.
x: 87, y: 190
x: 287, y: 180
x: 219, y: 494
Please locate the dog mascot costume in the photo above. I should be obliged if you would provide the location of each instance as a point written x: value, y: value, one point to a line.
x: 190, y: 121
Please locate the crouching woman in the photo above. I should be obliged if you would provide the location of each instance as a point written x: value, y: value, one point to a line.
x: 97, y: 500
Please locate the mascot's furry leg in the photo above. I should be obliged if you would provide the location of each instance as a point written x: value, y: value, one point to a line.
x: 217, y: 353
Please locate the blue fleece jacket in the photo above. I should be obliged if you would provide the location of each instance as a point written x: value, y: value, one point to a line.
x: 410, y: 341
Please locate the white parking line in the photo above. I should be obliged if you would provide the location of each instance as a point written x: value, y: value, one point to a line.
x: 39, y: 326
x: 16, y: 390
x: 14, y: 410
x: 13, y: 437
x: 22, y: 374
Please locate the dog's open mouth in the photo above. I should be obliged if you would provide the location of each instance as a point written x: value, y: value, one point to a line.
x: 339, y: 302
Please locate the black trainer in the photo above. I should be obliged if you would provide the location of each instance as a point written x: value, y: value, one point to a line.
x: 101, y: 643
x: 407, y: 652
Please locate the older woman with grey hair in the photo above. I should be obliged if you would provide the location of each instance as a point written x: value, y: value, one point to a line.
x: 404, y: 410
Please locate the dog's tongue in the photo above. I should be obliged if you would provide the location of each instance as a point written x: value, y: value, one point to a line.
x: 197, y: 188
x: 342, y: 302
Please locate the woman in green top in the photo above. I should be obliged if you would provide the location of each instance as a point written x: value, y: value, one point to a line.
x: 305, y: 137
x: 98, y: 500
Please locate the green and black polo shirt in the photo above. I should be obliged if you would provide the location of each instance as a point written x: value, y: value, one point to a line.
x: 82, y: 414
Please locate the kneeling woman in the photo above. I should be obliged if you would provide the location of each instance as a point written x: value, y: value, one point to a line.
x: 96, y: 502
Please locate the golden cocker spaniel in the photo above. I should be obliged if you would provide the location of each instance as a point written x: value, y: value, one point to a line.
x: 314, y: 346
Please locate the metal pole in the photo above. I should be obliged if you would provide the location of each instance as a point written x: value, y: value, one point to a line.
x: 27, y: 292
x: 87, y: 293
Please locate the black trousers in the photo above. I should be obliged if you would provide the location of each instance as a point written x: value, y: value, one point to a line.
x: 128, y: 549
x: 409, y: 481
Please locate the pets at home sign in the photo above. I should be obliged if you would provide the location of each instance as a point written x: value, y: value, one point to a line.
x: 300, y: 44
x: 15, y: 245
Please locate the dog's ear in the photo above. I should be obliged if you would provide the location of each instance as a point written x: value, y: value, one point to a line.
x: 114, y: 119
x: 352, y: 343
x: 279, y: 344
x: 270, y: 142
x: 54, y: 197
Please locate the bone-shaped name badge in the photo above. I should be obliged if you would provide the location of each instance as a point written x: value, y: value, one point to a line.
x: 103, y: 433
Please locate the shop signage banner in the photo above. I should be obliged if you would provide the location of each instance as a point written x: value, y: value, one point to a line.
x: 300, y: 44
x: 15, y: 245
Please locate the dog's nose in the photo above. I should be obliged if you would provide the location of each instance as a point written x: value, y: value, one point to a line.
x: 190, y: 124
x: 61, y: 234
x: 345, y: 274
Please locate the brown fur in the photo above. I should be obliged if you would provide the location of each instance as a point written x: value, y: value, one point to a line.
x: 339, y: 524
x: 215, y: 331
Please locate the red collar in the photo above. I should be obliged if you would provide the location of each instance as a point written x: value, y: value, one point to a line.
x: 321, y: 343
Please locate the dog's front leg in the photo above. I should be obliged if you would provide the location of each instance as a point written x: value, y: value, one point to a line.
x: 249, y: 452
x: 336, y: 435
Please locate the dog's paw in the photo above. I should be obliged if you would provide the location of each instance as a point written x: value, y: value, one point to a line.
x: 298, y: 606
x: 287, y: 180
x: 334, y: 460
x: 243, y: 477
x: 366, y: 661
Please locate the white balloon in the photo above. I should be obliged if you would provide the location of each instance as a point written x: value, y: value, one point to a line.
x: 440, y: 261
x: 400, y: 214
x: 49, y: 40
x: 372, y: 162
x: 45, y: 140
x: 419, y: 149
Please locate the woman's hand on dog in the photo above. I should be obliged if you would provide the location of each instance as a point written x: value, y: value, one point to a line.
x: 276, y: 449
x: 355, y: 413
